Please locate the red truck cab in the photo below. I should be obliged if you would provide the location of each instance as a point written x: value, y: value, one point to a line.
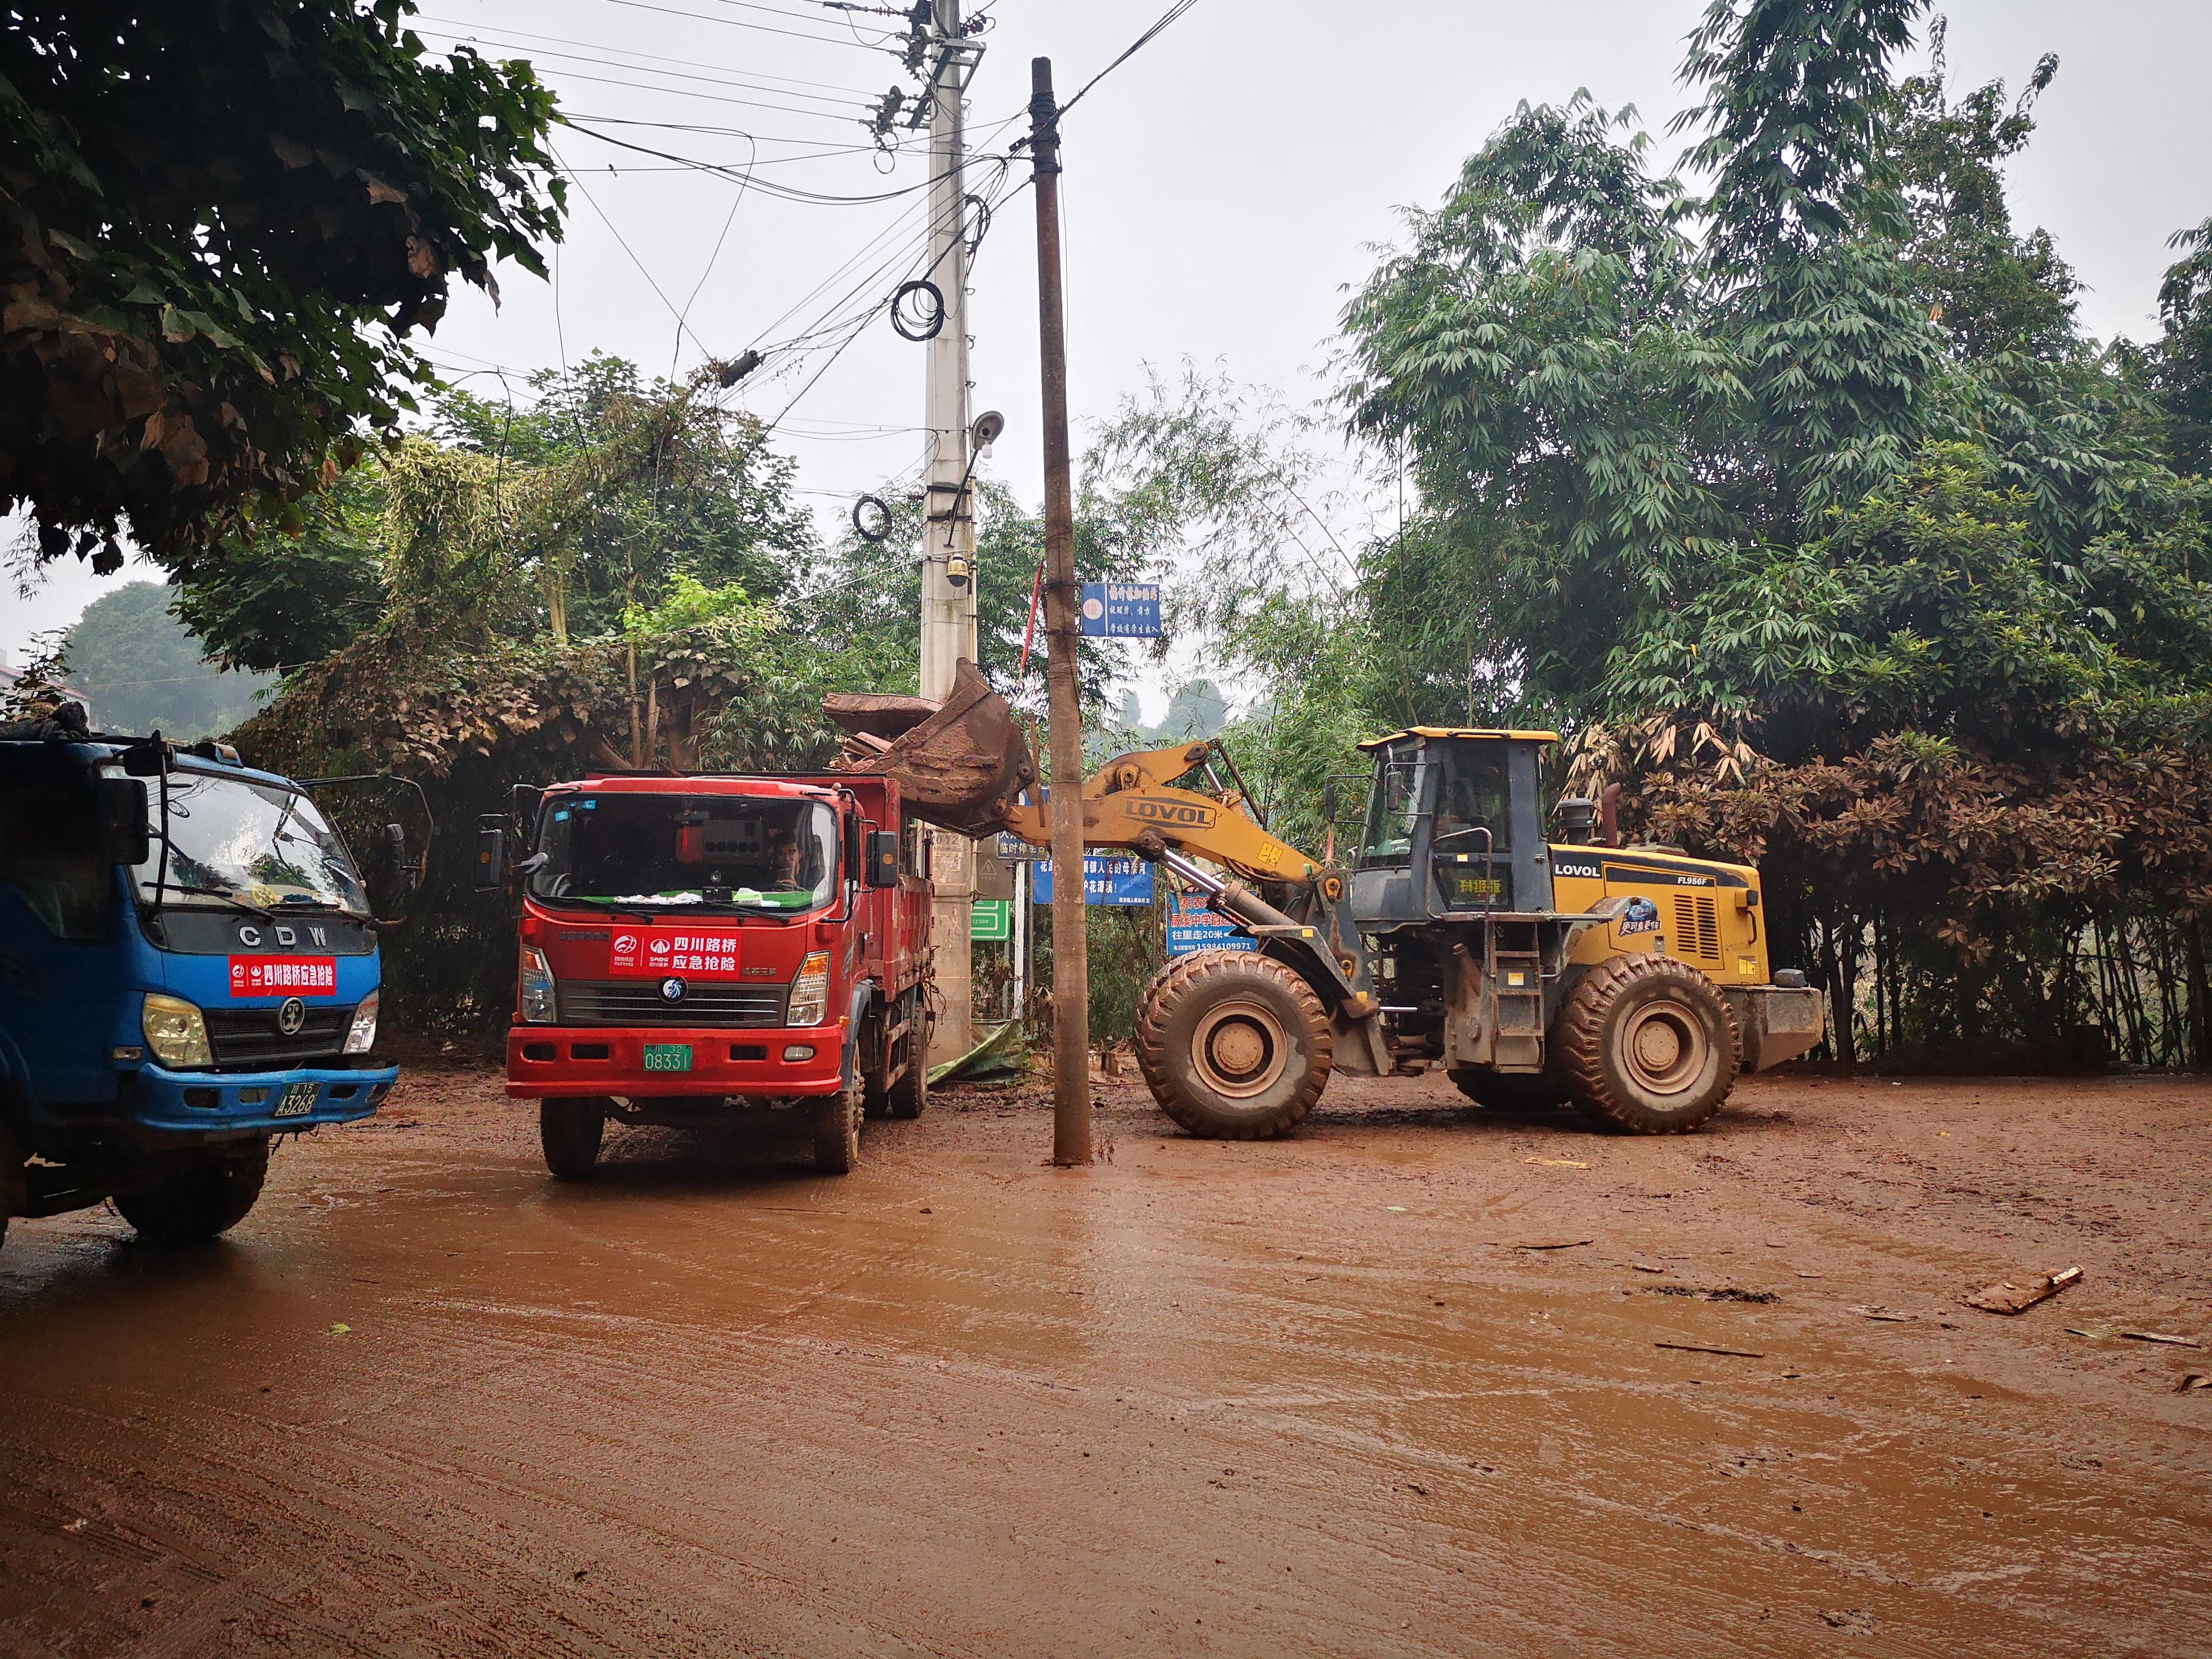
x: 693, y: 944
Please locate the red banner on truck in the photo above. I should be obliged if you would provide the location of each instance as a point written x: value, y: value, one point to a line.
x: 651, y: 952
x: 283, y: 976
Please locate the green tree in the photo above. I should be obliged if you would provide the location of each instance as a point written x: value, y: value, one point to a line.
x: 143, y: 669
x: 219, y: 222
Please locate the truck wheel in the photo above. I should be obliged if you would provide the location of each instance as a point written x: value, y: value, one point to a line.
x: 199, y: 1203
x: 1648, y: 1045
x: 570, y: 1131
x: 837, y: 1130
x: 11, y: 1179
x: 911, y: 1092
x: 1511, y: 1092
x: 1234, y: 1046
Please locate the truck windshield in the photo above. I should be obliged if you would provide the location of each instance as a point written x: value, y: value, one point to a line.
x: 656, y: 851
x: 253, y: 843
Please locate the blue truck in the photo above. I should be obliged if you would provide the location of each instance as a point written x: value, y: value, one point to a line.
x: 188, y: 969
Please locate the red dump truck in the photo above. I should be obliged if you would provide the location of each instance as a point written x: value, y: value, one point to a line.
x: 697, y: 945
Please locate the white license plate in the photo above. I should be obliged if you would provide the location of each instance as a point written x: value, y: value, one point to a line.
x: 297, y: 1101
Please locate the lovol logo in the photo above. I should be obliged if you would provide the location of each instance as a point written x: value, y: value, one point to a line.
x: 1186, y: 815
x: 1586, y: 871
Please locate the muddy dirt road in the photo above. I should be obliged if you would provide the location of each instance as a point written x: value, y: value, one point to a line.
x: 1315, y: 1397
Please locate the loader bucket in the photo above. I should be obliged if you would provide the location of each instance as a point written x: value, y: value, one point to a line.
x: 961, y: 765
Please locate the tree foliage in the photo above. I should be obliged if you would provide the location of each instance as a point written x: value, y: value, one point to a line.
x: 218, y: 221
x: 1805, y: 506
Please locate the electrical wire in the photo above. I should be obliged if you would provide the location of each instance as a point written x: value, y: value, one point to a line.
x: 457, y: 27
x: 743, y: 23
x: 788, y: 192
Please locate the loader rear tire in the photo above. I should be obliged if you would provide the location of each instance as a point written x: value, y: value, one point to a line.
x: 1648, y: 1046
x: 1234, y: 1046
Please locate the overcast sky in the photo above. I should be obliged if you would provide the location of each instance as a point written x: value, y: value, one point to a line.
x: 1222, y: 187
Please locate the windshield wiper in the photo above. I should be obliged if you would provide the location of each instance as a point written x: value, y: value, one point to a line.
x: 227, y: 896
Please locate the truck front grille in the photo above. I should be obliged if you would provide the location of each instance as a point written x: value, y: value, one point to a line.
x: 249, y: 1039
x: 639, y: 1002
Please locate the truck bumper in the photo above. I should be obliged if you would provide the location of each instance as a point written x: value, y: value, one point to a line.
x: 1779, y: 1022
x: 168, y: 1108
x: 553, y: 1061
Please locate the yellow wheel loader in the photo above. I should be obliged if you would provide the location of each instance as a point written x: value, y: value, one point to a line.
x: 1632, y: 982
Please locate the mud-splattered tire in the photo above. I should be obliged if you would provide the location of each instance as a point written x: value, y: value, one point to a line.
x: 1647, y: 1045
x: 910, y: 1094
x: 11, y: 1179
x: 837, y: 1130
x: 1511, y: 1092
x: 570, y: 1131
x: 1235, y: 1046
x: 200, y: 1203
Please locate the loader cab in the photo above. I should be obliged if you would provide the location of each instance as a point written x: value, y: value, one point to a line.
x: 1453, y: 828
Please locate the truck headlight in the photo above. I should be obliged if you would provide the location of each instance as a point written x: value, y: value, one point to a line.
x: 809, y: 992
x: 175, y: 1031
x: 362, y: 1037
x: 537, y: 979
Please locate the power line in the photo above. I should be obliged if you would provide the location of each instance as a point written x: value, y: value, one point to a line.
x: 687, y: 75
x: 1143, y: 40
x: 742, y: 23
x: 789, y: 193
x: 448, y: 24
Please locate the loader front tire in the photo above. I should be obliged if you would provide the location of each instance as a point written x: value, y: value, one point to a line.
x: 1234, y: 1046
x: 1648, y: 1046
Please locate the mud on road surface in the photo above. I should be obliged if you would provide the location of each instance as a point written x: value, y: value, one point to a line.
x: 1322, y: 1396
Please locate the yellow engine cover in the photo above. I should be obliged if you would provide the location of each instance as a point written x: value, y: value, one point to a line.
x: 1701, y: 912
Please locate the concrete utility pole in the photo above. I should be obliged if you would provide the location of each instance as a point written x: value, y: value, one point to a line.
x: 1071, y: 966
x: 948, y: 539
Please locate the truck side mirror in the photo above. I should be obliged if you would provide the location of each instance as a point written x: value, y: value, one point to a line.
x: 882, y: 858
x: 1328, y: 802
x: 121, y: 804
x: 491, y: 855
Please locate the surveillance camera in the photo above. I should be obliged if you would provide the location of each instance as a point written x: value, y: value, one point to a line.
x: 986, y: 430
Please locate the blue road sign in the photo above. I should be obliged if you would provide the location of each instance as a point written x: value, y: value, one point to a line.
x: 1106, y: 880
x: 1192, y: 927
x: 1122, y: 611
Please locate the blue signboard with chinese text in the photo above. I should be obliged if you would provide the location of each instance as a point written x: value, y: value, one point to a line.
x: 1122, y: 611
x: 1192, y: 927
x: 1106, y: 880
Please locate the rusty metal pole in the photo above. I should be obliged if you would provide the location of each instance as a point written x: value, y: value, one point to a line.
x: 1071, y: 964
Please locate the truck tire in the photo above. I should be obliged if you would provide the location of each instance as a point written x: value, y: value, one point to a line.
x: 1234, y: 1046
x: 837, y: 1129
x: 570, y: 1131
x: 1648, y: 1046
x: 11, y: 1179
x: 197, y: 1204
x: 1511, y: 1092
x: 911, y: 1092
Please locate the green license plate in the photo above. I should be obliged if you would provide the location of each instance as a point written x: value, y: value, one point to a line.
x: 297, y: 1101
x: 667, y: 1056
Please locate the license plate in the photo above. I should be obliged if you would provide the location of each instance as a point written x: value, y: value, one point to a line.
x: 297, y: 1101
x: 667, y: 1056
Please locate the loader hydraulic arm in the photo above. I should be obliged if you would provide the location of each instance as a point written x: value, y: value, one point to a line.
x: 1132, y: 802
